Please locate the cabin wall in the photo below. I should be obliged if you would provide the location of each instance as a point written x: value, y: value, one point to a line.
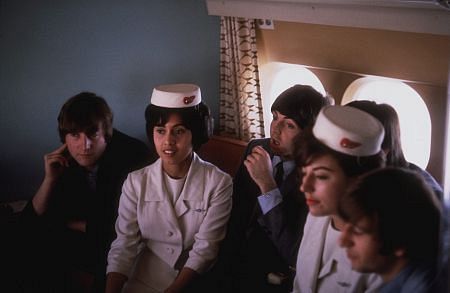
x: 339, y: 55
x: 52, y: 50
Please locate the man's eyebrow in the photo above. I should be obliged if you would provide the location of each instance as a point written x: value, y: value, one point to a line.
x: 92, y: 129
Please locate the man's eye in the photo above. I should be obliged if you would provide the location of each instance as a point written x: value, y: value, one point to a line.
x: 74, y: 135
x: 357, y: 231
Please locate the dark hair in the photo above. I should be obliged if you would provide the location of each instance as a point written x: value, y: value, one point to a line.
x: 301, y: 103
x: 402, y: 208
x: 83, y: 113
x: 308, y: 147
x: 197, y: 119
x: 387, y: 115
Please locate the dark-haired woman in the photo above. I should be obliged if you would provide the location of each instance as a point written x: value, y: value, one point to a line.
x: 173, y: 213
x: 343, y: 144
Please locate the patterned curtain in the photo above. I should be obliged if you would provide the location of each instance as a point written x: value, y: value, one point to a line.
x: 241, y: 114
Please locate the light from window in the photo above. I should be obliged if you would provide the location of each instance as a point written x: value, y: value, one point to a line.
x: 447, y: 149
x: 276, y: 77
x: 415, y: 122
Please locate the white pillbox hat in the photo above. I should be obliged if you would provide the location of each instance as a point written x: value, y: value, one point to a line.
x: 179, y: 95
x: 349, y: 130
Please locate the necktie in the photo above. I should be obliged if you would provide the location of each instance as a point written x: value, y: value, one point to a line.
x: 279, y: 172
x: 92, y: 180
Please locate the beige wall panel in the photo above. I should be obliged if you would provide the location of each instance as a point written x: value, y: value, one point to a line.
x: 339, y: 55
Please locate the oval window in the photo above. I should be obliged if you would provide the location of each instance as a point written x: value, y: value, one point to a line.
x: 415, y: 122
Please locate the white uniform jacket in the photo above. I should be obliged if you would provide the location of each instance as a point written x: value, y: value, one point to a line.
x: 309, y: 264
x: 171, y: 236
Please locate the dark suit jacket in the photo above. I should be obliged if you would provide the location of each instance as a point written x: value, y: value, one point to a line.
x: 73, y: 199
x: 257, y: 244
x: 434, y: 185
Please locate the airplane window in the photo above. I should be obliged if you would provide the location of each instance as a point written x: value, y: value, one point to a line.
x: 279, y: 77
x: 415, y: 122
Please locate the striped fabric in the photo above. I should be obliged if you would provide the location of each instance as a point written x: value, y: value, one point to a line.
x: 241, y: 113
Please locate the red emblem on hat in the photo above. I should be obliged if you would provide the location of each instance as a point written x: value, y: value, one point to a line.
x: 347, y: 143
x: 188, y: 100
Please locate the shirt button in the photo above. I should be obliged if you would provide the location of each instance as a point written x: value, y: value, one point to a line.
x: 169, y: 233
x: 170, y: 250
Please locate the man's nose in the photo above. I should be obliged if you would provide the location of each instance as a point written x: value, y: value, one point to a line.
x: 86, y: 141
x: 277, y: 125
x: 345, y: 239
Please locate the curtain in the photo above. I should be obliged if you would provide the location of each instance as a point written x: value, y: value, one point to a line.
x: 241, y: 113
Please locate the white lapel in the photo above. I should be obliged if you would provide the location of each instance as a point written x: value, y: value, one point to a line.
x: 193, y: 188
x: 159, y: 195
x: 314, y: 249
x: 347, y: 277
x: 180, y: 206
